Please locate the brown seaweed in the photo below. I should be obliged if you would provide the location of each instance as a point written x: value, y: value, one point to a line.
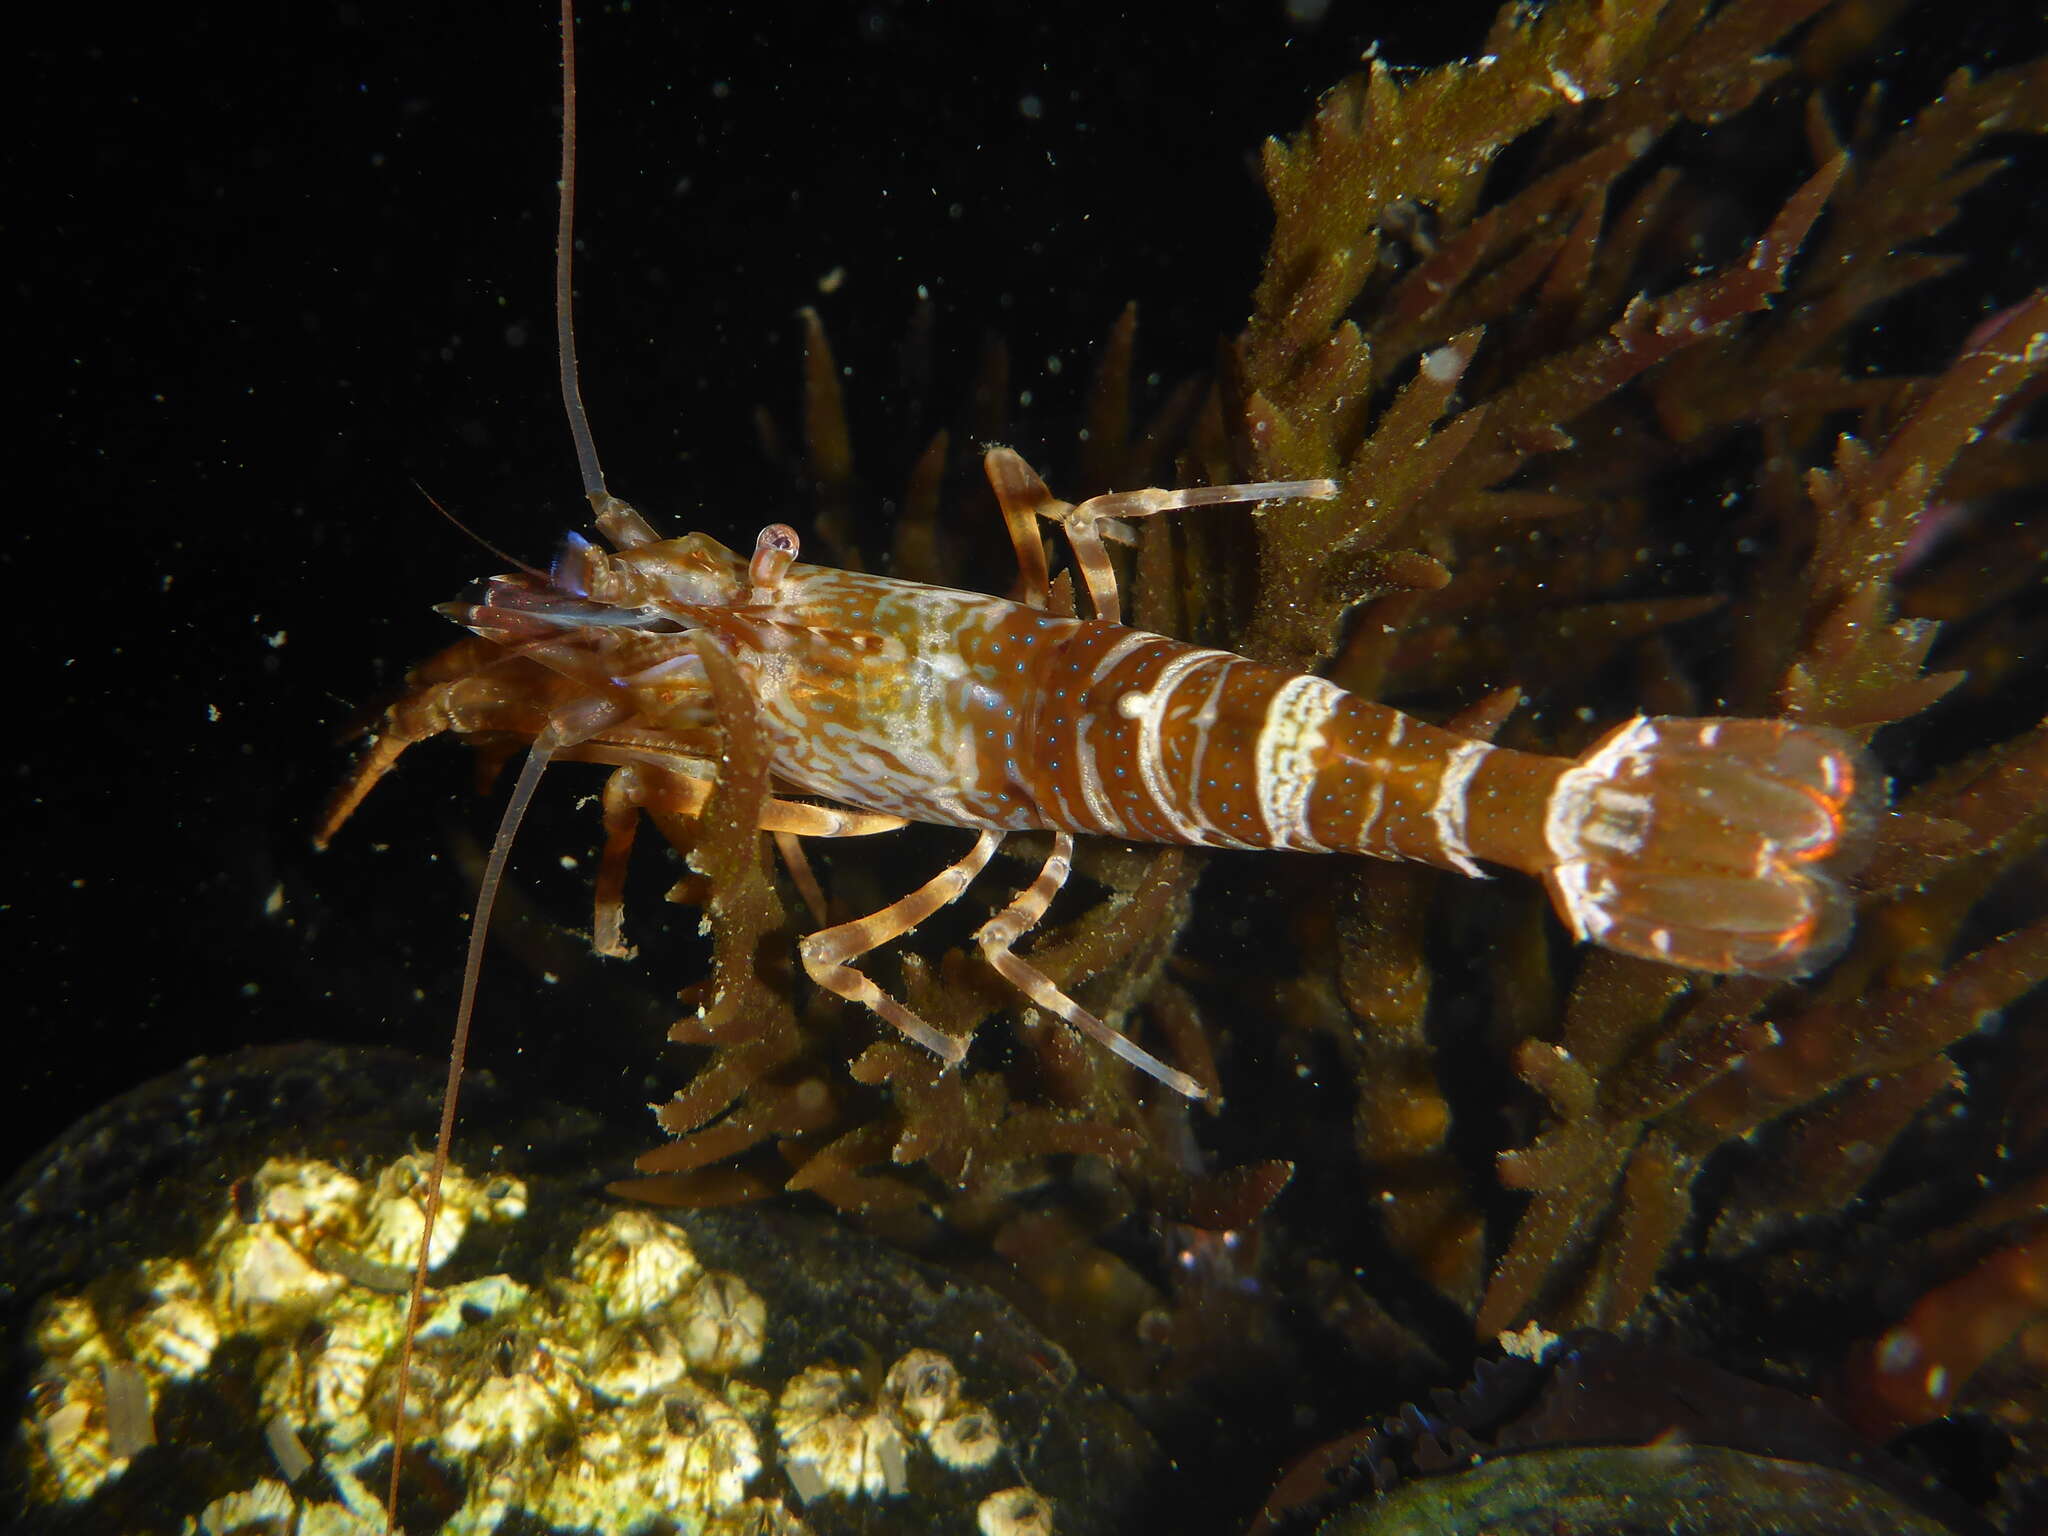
x: 1611, y: 441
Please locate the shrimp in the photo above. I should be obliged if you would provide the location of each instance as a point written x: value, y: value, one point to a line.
x: 1715, y: 844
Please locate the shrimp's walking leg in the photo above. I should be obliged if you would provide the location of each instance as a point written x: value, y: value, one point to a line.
x: 798, y: 863
x: 791, y: 820
x: 1023, y: 496
x: 1019, y: 918
x: 826, y: 952
x: 637, y: 787
x: 625, y: 792
x: 1024, y: 499
x: 799, y: 818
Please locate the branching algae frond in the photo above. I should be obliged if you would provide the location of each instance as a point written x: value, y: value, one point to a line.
x: 1516, y: 394
x: 1610, y: 442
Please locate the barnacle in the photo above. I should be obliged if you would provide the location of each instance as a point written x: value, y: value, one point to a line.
x: 265, y: 1506
x: 633, y: 1263
x: 966, y: 1441
x: 66, y: 1429
x: 838, y: 1438
x: 1014, y: 1512
x: 634, y: 1388
x: 261, y: 1279
x: 395, y: 1214
x: 176, y: 1338
x: 708, y: 1453
x: 324, y: 1383
x: 305, y: 1198
x: 638, y: 1363
x: 833, y: 1443
x: 924, y: 1386
x: 721, y: 1320
x: 268, y: 1508
x: 532, y: 1392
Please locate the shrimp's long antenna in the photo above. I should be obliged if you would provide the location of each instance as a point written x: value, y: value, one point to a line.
x: 470, y: 533
x: 565, y: 250
x: 551, y: 739
x: 544, y: 747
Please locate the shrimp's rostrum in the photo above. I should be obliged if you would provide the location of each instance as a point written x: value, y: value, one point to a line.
x: 1715, y: 844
